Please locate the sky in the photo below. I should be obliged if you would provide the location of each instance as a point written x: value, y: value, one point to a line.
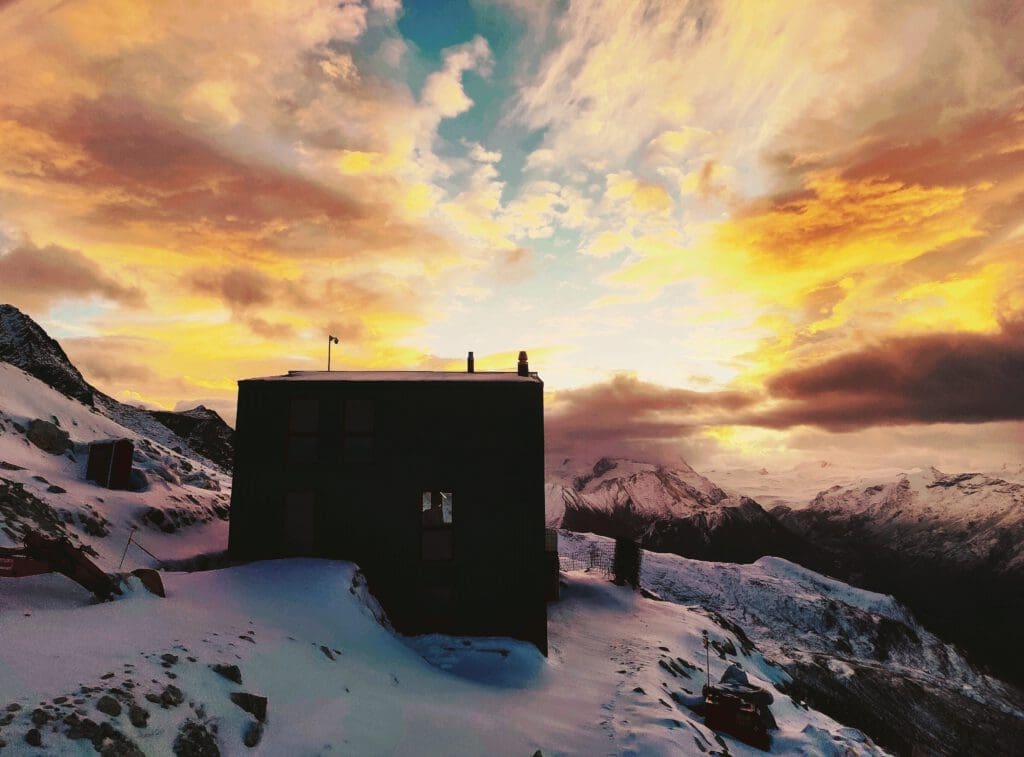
x: 738, y: 232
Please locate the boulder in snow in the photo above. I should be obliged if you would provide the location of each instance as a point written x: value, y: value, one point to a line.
x: 48, y: 436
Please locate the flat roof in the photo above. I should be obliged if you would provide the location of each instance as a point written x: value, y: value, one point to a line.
x: 397, y: 376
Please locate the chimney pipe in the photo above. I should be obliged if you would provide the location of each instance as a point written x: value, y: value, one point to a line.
x: 469, y: 362
x: 524, y: 366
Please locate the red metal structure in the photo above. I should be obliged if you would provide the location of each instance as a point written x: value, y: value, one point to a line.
x: 41, y: 554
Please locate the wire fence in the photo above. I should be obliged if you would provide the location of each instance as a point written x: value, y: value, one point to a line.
x: 593, y: 557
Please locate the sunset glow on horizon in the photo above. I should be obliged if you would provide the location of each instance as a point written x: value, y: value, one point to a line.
x: 731, y: 231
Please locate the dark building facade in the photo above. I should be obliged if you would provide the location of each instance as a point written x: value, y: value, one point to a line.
x: 432, y: 482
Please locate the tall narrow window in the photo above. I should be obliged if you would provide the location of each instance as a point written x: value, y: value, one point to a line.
x: 437, y: 515
x: 303, y: 424
x: 358, y: 427
x: 299, y: 514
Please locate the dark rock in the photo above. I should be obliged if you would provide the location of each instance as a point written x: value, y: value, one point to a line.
x: 253, y: 733
x: 139, y: 716
x: 201, y: 480
x: 9, y: 466
x: 80, y: 728
x: 252, y: 703
x: 169, y: 658
x: 34, y: 738
x: 137, y: 481
x: 171, y: 696
x: 328, y: 652
x: 60, y: 700
x: 54, y: 489
x: 40, y: 717
x: 195, y: 740
x: 109, y: 706
x: 48, y: 437
x: 110, y: 742
x: 154, y: 698
x: 106, y: 676
x: 13, y: 707
x: 231, y: 672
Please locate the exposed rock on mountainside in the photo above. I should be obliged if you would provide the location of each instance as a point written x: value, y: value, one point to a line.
x: 24, y: 344
x: 204, y: 431
x: 925, y: 530
x: 666, y: 510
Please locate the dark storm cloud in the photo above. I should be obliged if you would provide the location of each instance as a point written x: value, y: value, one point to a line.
x: 940, y: 378
x: 627, y: 408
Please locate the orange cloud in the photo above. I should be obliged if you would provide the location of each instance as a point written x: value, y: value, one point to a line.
x: 37, y: 277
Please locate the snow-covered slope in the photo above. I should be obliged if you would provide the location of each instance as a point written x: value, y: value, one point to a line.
x: 198, y: 432
x: 666, y: 509
x: 914, y: 532
x: 857, y: 655
x: 304, y: 634
x: 25, y: 345
x: 181, y: 512
x: 968, y: 519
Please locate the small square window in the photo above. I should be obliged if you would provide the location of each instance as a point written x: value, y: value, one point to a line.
x: 304, y: 417
x: 358, y: 449
x: 359, y: 416
x: 302, y: 449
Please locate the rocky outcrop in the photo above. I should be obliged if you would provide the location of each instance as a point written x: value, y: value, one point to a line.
x: 49, y: 437
x: 24, y: 344
x: 203, y: 430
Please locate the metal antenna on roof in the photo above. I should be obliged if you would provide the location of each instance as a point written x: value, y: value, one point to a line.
x: 330, y: 339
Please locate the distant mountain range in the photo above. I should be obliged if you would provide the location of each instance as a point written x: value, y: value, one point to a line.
x: 667, y: 510
x: 25, y: 345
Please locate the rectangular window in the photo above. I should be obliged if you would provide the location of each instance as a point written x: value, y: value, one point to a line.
x: 357, y: 431
x: 299, y: 522
x: 305, y: 416
x: 437, y: 515
x: 303, y: 425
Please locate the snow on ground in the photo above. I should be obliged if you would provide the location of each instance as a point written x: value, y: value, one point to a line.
x: 93, y: 515
x: 305, y: 634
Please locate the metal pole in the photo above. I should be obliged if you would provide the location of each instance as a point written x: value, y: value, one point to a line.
x: 330, y: 338
x: 707, y: 658
x: 130, y: 535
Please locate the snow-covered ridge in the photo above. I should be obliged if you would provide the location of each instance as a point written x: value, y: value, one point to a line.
x: 25, y: 345
x: 197, y: 432
x: 858, y: 652
x: 673, y: 509
x: 970, y: 519
x: 181, y: 494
